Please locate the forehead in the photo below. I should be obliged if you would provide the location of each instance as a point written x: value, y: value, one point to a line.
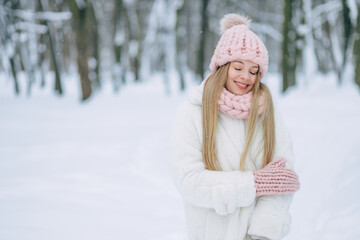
x: 247, y: 63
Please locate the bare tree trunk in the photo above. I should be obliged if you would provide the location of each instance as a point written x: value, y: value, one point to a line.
x: 307, y: 52
x: 43, y: 5
x: 133, y: 28
x: 42, y: 50
x: 347, y: 27
x: 348, y: 30
x: 356, y: 50
x: 7, y: 42
x: 118, y: 71
x: 95, y: 44
x: 202, y: 45
x: 14, y: 73
x: 336, y: 62
x: 81, y: 34
x: 29, y: 69
x: 179, y: 42
x: 288, y: 48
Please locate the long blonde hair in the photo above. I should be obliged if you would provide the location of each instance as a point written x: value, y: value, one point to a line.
x: 212, y: 90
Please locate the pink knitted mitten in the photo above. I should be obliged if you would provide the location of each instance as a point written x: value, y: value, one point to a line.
x: 275, y: 179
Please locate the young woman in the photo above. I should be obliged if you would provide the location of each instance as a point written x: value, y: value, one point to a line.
x: 231, y: 154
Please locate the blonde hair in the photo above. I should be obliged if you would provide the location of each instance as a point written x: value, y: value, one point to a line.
x: 212, y: 90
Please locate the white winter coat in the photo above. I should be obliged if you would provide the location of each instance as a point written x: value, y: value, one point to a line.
x: 222, y: 205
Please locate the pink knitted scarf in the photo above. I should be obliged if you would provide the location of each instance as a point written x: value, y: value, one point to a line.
x: 237, y: 106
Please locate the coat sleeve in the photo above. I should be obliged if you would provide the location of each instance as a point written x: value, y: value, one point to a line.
x: 220, y: 190
x: 271, y: 218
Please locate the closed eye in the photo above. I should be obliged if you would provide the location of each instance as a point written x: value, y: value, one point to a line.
x: 252, y: 73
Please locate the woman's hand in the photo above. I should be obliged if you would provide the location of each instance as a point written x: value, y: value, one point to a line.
x: 275, y: 179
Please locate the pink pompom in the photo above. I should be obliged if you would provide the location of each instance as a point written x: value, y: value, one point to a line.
x: 232, y: 19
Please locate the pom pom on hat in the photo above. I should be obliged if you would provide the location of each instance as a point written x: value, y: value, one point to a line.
x: 232, y: 19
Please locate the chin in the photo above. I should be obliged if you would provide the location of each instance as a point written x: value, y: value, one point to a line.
x: 241, y: 92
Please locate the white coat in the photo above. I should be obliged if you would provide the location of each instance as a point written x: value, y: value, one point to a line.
x: 222, y: 205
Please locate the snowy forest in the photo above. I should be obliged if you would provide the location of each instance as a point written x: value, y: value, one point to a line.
x: 89, y: 91
x: 131, y: 40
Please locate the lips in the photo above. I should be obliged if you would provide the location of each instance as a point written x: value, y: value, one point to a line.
x: 241, y: 85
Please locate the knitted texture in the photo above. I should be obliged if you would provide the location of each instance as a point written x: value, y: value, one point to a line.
x: 238, y: 42
x: 275, y: 179
x: 237, y: 106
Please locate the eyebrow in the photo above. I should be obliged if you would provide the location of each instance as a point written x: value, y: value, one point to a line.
x: 250, y: 67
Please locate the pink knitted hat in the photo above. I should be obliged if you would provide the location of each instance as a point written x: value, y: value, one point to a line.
x: 238, y: 42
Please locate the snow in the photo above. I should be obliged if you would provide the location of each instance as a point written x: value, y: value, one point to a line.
x: 97, y: 170
x: 51, y: 16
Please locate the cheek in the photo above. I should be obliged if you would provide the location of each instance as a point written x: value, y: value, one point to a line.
x: 253, y: 80
x: 228, y: 82
x: 232, y: 74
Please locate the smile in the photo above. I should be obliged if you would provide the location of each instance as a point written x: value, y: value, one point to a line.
x: 241, y: 85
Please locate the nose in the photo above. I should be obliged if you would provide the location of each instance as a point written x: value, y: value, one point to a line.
x: 244, y: 76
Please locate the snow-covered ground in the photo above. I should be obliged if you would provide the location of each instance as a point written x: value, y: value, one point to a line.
x: 97, y: 170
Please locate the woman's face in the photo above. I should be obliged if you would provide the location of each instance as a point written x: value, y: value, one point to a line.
x: 241, y: 76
